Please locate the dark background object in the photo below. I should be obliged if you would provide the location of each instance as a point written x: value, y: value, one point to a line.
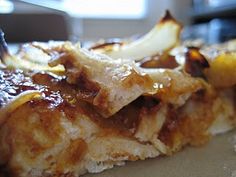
x: 25, y: 27
x: 213, y: 20
x: 222, y: 30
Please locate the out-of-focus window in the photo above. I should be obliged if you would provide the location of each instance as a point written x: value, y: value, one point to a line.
x: 217, y: 3
x: 122, y: 9
x: 6, y: 6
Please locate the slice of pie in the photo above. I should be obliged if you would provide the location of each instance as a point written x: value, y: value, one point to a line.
x: 67, y: 110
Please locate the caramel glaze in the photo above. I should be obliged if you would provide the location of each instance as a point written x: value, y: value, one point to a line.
x: 163, y: 60
x: 12, y: 83
x: 124, y: 122
x: 4, y: 172
x: 60, y: 96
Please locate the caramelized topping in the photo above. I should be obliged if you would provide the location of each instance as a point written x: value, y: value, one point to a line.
x: 102, y: 81
x: 195, y: 62
x: 59, y: 96
x: 12, y: 83
x: 159, y: 61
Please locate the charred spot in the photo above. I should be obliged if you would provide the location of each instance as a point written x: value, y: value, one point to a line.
x: 159, y: 61
x: 195, y: 62
x: 167, y: 17
x: 5, y: 171
x: 200, y: 95
x: 148, y: 103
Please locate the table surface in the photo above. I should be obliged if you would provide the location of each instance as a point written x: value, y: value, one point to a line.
x: 215, y: 159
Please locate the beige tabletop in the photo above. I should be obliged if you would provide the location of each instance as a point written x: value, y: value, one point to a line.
x: 216, y: 159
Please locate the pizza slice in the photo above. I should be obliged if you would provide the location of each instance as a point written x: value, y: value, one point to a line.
x: 67, y: 110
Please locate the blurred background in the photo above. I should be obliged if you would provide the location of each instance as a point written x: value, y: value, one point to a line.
x: 86, y: 20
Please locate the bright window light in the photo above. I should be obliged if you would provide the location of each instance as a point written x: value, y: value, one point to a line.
x: 123, y: 9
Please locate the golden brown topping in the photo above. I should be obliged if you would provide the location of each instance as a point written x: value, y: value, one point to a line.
x: 18, y: 88
x: 15, y: 90
x: 195, y: 62
x: 159, y: 61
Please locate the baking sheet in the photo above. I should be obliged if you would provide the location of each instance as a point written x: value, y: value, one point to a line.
x: 215, y: 159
